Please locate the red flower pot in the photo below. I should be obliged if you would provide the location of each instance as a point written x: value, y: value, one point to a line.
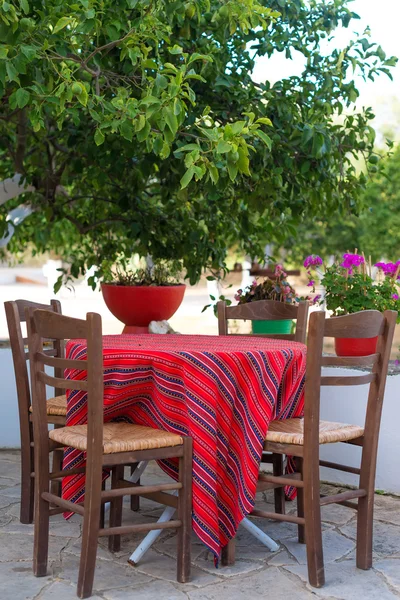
x: 137, y: 305
x: 355, y: 347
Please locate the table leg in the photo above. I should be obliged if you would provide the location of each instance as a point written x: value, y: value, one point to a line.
x: 260, y: 535
x: 151, y: 537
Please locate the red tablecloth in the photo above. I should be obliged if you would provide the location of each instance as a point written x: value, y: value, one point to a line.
x: 221, y: 390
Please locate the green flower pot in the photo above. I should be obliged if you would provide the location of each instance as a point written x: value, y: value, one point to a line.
x: 280, y: 327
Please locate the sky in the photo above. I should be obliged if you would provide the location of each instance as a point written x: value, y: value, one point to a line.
x: 383, y: 95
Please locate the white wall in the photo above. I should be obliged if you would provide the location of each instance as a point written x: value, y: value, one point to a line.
x: 348, y: 405
x: 345, y: 405
x: 9, y: 420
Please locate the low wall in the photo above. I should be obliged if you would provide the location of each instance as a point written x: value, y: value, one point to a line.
x: 345, y: 404
x: 348, y: 405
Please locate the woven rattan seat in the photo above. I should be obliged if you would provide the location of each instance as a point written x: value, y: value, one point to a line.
x: 56, y: 406
x: 117, y: 437
x: 291, y: 431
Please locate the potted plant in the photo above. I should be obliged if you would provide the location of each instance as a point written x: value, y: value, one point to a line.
x: 279, y: 290
x: 350, y: 287
x: 137, y: 297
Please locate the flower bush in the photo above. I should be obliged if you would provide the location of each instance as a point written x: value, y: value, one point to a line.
x: 351, y: 287
x: 279, y: 289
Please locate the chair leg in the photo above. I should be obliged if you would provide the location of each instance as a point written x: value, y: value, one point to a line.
x: 135, y: 500
x: 114, y: 541
x: 300, y: 503
x: 312, y: 515
x: 365, y: 514
x: 58, y: 456
x: 279, y: 493
x: 41, y: 521
x: 228, y: 553
x: 185, y: 512
x: 27, y: 483
x: 90, y: 532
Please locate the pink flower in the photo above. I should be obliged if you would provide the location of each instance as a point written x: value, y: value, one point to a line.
x: 352, y: 260
x: 395, y: 297
x: 254, y: 284
x: 313, y: 261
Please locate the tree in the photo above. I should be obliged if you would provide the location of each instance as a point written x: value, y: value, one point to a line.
x: 375, y: 230
x: 140, y: 128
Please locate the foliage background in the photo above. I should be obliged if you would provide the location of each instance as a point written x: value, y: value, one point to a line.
x: 142, y: 131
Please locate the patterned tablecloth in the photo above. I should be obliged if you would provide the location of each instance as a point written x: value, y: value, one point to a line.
x: 221, y: 390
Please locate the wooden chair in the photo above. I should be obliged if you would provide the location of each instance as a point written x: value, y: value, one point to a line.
x: 302, y: 437
x: 110, y: 445
x: 267, y: 310
x: 56, y: 408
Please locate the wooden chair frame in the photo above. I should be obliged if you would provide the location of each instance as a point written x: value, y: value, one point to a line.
x: 267, y: 310
x: 364, y: 324
x: 43, y: 324
x: 15, y: 314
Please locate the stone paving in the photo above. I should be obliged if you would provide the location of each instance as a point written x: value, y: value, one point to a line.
x: 257, y: 574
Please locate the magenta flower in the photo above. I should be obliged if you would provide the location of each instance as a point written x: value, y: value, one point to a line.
x: 387, y: 268
x: 352, y: 260
x: 395, y: 297
x: 254, y: 284
x: 311, y: 283
x: 312, y: 261
x: 316, y: 298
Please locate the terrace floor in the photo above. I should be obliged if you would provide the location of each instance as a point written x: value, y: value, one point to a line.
x: 257, y: 574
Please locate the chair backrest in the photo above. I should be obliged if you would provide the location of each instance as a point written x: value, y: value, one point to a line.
x: 364, y: 324
x: 265, y: 310
x: 42, y: 324
x: 15, y: 314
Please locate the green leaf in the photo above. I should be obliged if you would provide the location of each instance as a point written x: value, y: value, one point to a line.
x: 22, y: 97
x: 3, y: 52
x: 188, y: 148
x: 223, y: 147
x: 127, y: 130
x: 238, y: 127
x: 171, y: 120
x: 232, y: 171
x: 214, y: 174
x: 197, y: 56
x: 24, y: 5
x: 12, y: 72
x: 264, y: 137
x: 28, y: 51
x: 175, y: 49
x: 61, y: 23
x: 99, y: 137
x: 243, y: 162
x: 264, y: 121
x: 187, y: 178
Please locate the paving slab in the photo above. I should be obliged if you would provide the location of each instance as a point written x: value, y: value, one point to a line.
x: 151, y: 591
x: 345, y: 582
x: 108, y: 574
x: 390, y: 569
x: 61, y: 590
x: 269, y: 583
x: 19, y: 583
x: 386, y: 537
x: 335, y: 546
x: 20, y: 547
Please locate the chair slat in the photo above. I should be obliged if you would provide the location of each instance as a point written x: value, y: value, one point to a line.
x: 363, y: 324
x: 57, y: 326
x: 262, y: 310
x: 65, y: 384
x: 348, y: 380
x: 349, y: 361
x: 61, y: 363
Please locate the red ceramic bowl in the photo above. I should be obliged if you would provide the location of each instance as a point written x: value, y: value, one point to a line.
x: 138, y: 305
